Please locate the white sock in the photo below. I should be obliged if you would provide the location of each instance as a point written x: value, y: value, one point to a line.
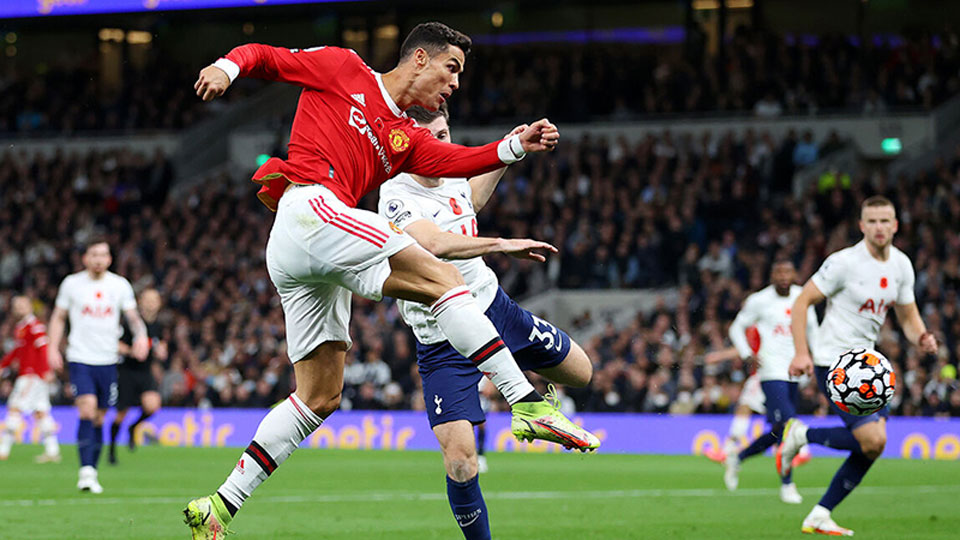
x: 10, y: 426
x: 739, y: 426
x: 473, y: 335
x: 279, y: 434
x: 48, y: 434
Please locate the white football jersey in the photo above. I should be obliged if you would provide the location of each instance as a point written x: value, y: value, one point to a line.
x: 94, y: 307
x: 770, y: 312
x: 859, y: 290
x: 404, y: 201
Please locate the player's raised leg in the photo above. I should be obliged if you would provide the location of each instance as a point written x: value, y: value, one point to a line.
x: 463, y: 488
x: 418, y: 276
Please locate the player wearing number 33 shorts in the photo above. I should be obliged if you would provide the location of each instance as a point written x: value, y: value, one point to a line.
x: 440, y: 213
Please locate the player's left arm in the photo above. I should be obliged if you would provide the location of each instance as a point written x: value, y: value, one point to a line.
x: 141, y: 344
x: 914, y: 328
x: 909, y: 314
x: 483, y: 186
x: 448, y: 245
x: 433, y: 158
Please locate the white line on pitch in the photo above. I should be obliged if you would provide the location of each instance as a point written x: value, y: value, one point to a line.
x: 506, y: 495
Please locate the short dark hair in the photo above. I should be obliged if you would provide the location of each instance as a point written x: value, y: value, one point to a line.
x: 877, y: 200
x: 425, y: 116
x: 434, y: 37
x: 781, y: 259
x: 94, y: 240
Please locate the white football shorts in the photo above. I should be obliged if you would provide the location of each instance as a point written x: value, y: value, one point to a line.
x: 30, y: 394
x: 320, y: 250
x: 752, y: 396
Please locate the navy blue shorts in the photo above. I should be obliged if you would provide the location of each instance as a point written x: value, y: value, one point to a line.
x: 450, y: 380
x: 101, y: 381
x: 852, y: 421
x: 780, y: 400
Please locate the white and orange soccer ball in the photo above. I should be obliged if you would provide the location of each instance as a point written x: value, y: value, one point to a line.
x: 861, y: 381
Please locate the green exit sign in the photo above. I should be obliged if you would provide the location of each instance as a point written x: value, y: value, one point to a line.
x: 891, y: 145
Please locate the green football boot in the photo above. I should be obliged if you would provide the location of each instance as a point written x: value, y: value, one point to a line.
x: 543, y: 420
x: 207, y: 518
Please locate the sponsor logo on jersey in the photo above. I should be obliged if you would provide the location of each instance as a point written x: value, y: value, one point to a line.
x: 394, y: 228
x: 360, y: 99
x: 399, y: 140
x: 359, y: 121
x: 877, y: 309
x: 97, y: 312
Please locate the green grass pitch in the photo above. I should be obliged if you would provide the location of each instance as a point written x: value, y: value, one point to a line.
x: 363, y: 495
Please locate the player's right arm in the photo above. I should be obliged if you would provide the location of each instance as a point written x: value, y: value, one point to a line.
x: 55, y: 328
x: 746, y: 318
x: 309, y: 68
x: 437, y: 159
x: 802, y: 362
x: 447, y: 245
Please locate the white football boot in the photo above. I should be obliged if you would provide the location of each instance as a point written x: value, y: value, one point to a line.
x: 87, y: 480
x: 794, y: 437
x: 818, y: 521
x: 789, y: 494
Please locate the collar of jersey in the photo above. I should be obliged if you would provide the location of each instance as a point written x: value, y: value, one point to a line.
x: 386, y: 96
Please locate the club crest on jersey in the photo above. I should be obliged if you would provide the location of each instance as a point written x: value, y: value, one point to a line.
x: 399, y: 140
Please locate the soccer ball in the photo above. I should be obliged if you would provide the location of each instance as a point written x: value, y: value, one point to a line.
x: 861, y: 381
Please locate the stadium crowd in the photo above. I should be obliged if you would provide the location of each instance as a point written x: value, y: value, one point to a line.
x: 759, y: 73
x: 77, y: 98
x: 704, y: 214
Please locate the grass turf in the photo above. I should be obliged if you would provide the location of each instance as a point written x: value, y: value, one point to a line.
x: 320, y: 494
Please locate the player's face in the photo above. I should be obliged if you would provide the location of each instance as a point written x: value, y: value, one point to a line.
x: 21, y: 307
x: 439, y: 129
x: 439, y: 77
x: 878, y: 225
x: 783, y: 275
x: 97, y: 258
x: 150, y: 300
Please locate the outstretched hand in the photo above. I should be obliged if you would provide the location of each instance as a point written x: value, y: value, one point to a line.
x: 523, y: 248
x: 213, y: 82
x: 540, y: 136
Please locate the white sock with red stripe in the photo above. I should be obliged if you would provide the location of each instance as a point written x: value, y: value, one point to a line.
x: 279, y: 434
x: 473, y: 335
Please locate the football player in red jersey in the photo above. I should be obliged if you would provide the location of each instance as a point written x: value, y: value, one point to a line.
x: 349, y: 135
x: 31, y: 391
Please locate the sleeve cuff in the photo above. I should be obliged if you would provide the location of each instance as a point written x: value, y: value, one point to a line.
x: 510, y: 150
x: 229, y: 67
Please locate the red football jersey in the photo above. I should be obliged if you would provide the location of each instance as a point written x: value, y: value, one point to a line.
x: 31, y: 348
x: 348, y: 133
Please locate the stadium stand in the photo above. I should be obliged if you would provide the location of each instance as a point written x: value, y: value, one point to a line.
x: 705, y: 215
